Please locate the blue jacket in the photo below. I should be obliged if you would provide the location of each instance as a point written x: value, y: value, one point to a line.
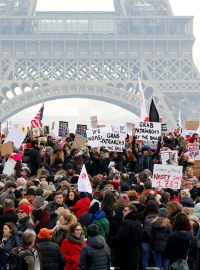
x: 12, y: 242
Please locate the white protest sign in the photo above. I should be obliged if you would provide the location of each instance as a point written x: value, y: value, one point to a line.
x: 36, y: 132
x: 167, y: 176
x: 94, y: 137
x: 169, y: 157
x: 118, y: 129
x: 147, y: 131
x: 111, y: 164
x: 94, y: 122
x: 84, y: 184
x: 16, y: 136
x: 9, y: 167
x: 113, y: 141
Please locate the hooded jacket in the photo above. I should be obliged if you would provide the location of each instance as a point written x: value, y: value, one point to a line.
x: 99, y: 218
x: 95, y: 255
x: 81, y: 206
x: 177, y: 246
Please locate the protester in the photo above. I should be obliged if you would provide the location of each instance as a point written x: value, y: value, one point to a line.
x: 71, y: 247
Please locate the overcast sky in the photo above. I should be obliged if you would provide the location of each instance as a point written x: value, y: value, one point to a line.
x: 85, y: 107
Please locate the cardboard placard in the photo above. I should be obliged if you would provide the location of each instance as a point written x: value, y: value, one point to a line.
x: 169, y: 157
x: 79, y: 142
x: 6, y: 149
x: 191, y: 125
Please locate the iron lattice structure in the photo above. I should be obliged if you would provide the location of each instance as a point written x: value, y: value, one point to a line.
x: 97, y: 55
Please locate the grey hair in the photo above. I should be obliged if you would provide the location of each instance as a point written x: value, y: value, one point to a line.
x: 28, y: 238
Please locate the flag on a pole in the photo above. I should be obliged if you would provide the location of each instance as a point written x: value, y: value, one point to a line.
x: 84, y: 184
x: 36, y: 122
x: 153, y: 113
x: 180, y: 128
x: 143, y: 112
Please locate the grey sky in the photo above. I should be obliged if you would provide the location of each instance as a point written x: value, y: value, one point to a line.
x: 85, y: 108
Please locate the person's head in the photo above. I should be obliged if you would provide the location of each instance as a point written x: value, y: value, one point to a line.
x: 59, y: 198
x: 151, y: 207
x: 45, y: 234
x: 9, y: 228
x: 8, y: 203
x: 23, y: 211
x: 189, y: 172
x: 92, y: 230
x: 65, y: 217
x: 25, y: 172
x: 145, y: 150
x: 182, y: 223
x: 76, y: 229
x: 71, y: 195
x: 105, y: 153
x: 174, y: 207
x: 128, y: 209
x: 133, y: 196
x: 28, y: 238
x: 30, y: 194
x: 147, y: 185
x: 42, y: 152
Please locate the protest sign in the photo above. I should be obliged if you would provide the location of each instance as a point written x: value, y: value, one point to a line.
x: 191, y: 125
x: 196, y: 168
x: 113, y: 141
x: 122, y: 129
x: 6, y: 148
x: 52, y: 125
x: 79, y: 142
x: 16, y: 136
x: 169, y: 157
x: 84, y: 184
x: 147, y: 131
x: 9, y: 167
x: 81, y: 130
x: 36, y: 132
x: 163, y: 127
x: 94, y: 122
x: 63, y: 129
x: 193, y: 151
x: 94, y: 137
x: 167, y: 176
x: 129, y: 128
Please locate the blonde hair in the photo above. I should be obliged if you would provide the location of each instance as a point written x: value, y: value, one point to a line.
x: 67, y: 215
x: 23, y: 202
x: 164, y: 221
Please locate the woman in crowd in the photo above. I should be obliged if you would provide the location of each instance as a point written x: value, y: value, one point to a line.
x: 9, y: 241
x: 71, y: 247
x: 182, y: 245
x: 71, y: 198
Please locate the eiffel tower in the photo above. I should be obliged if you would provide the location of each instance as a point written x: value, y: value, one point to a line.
x: 98, y: 55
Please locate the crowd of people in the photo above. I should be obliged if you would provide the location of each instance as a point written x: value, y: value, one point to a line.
x: 47, y: 223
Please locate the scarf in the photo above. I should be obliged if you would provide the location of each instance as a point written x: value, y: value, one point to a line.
x: 75, y: 239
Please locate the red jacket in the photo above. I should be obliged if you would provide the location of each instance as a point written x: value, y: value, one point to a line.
x: 71, y: 252
x: 81, y: 206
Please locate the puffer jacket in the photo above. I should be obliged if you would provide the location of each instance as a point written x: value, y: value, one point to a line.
x: 81, y: 206
x: 95, y: 255
x: 159, y: 236
x: 99, y: 218
x: 52, y: 258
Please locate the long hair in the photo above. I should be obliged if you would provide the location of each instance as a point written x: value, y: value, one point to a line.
x: 164, y: 221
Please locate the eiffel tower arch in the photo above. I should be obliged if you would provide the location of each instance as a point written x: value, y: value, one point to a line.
x: 97, y: 55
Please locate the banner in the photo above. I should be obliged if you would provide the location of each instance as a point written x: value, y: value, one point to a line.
x: 163, y: 127
x: 167, y: 176
x: 63, y: 129
x: 84, y: 184
x: 147, y: 131
x: 16, y: 137
x: 81, y: 130
x: 169, y: 157
x: 9, y: 167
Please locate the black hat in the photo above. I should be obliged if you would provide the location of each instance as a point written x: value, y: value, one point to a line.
x: 68, y: 166
x: 92, y: 230
x: 30, y: 191
x: 94, y: 208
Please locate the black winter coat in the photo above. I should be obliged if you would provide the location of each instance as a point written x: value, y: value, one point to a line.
x: 52, y: 207
x: 127, y: 242
x: 177, y: 247
x: 95, y: 255
x: 159, y: 236
x: 114, y: 225
x: 24, y: 224
x: 50, y: 255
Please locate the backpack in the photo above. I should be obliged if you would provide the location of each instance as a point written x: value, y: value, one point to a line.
x: 181, y: 264
x: 147, y: 226
x: 15, y: 259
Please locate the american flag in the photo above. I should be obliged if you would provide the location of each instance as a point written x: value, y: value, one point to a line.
x: 37, y: 120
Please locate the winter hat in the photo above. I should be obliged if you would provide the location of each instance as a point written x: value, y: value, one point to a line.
x: 18, y: 194
x: 145, y: 148
x: 94, y: 208
x: 197, y: 210
x: 38, y: 202
x: 30, y: 191
x: 163, y: 212
x: 69, y: 166
x: 95, y: 201
x: 185, y: 193
x: 21, y: 182
x: 187, y: 202
x: 45, y: 233
x: 10, y: 195
x: 83, y: 195
x: 24, y: 208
